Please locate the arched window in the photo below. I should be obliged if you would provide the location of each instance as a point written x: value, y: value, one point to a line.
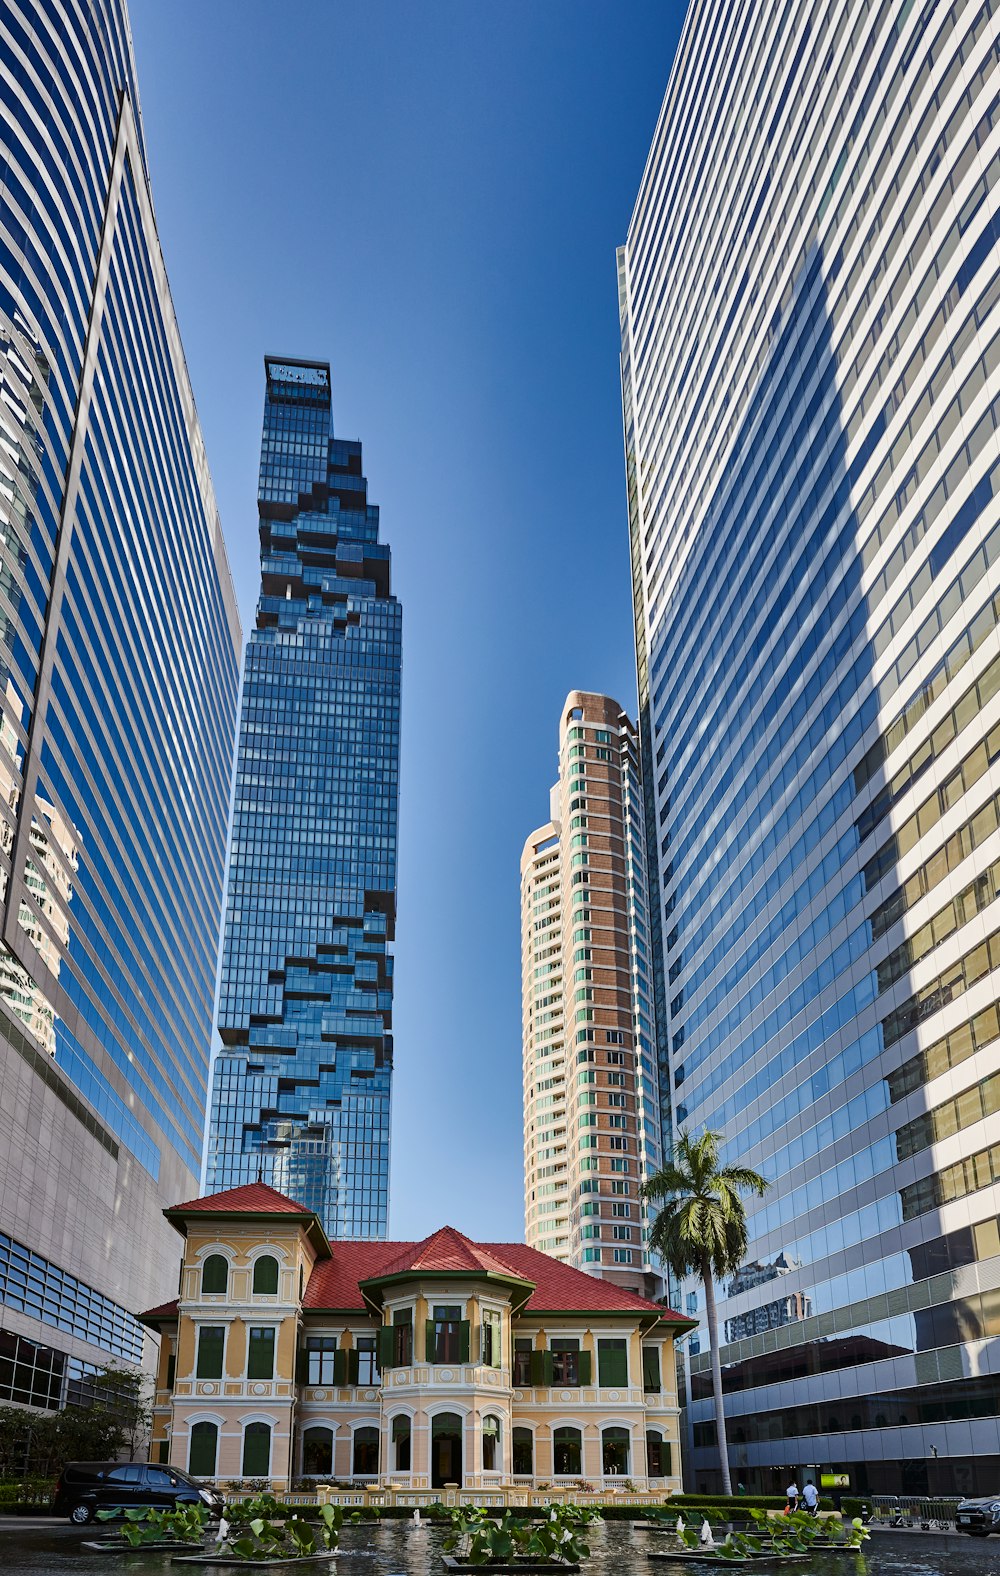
x: 203, y: 1449
x: 614, y: 1452
x: 492, y: 1454
x: 317, y: 1452
x: 214, y: 1274
x: 365, y: 1452
x: 401, y: 1443
x: 567, y: 1452
x: 257, y: 1450
x: 265, y: 1276
x: 523, y: 1452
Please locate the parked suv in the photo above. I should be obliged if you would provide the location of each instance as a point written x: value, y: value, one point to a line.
x: 979, y: 1517
x: 85, y: 1487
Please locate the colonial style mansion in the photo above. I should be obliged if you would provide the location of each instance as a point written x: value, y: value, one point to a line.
x: 409, y: 1364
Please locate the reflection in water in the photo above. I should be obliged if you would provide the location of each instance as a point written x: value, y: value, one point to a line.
x: 397, y: 1548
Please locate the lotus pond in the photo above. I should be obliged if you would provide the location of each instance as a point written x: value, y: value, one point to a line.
x: 397, y: 1548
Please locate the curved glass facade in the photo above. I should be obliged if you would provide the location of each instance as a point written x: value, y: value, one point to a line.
x: 119, y: 666
x: 302, y: 1087
x: 810, y: 308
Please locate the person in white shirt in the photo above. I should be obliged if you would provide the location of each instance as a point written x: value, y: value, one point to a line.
x: 792, y: 1494
x: 811, y: 1496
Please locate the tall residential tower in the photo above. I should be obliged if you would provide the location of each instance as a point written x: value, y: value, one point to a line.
x: 119, y: 671
x: 810, y: 314
x: 302, y: 1086
x: 591, y: 1110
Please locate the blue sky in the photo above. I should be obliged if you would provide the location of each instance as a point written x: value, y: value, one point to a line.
x: 430, y: 196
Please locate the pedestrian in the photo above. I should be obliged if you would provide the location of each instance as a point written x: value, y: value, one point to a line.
x: 741, y: 1488
x: 792, y: 1495
x: 811, y: 1496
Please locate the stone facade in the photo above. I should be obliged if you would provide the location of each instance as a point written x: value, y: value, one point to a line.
x: 407, y: 1365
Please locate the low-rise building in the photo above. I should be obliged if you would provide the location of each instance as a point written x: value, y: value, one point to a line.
x: 413, y: 1364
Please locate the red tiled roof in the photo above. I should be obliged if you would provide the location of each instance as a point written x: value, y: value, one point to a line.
x: 561, y: 1287
x: 448, y: 1249
x: 558, y: 1287
x: 166, y: 1310
x: 334, y: 1281
x: 255, y: 1198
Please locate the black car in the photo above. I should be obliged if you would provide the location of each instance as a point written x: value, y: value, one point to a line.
x: 979, y: 1517
x: 85, y: 1487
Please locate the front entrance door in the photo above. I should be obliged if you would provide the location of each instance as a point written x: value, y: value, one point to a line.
x: 446, y: 1449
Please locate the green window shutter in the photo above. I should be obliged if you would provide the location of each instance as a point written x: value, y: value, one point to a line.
x: 301, y: 1366
x: 353, y: 1366
x: 429, y: 1352
x: 202, y: 1450
x: 538, y: 1367
x: 650, y: 1368
x: 612, y: 1362
x: 666, y: 1467
x: 211, y: 1340
x: 583, y: 1368
x: 171, y: 1370
x: 547, y: 1367
x: 386, y: 1347
x: 340, y: 1366
x: 257, y: 1450
x: 464, y: 1341
x: 260, y: 1364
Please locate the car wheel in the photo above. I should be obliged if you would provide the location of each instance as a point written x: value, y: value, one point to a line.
x: 81, y: 1514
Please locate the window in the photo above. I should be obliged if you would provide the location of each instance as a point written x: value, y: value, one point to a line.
x: 651, y: 1369
x: 522, y: 1360
x: 621, y: 1187
x: 623, y: 1255
x: 614, y: 1037
x: 317, y: 1452
x: 565, y: 1359
x: 657, y: 1455
x: 616, y: 1058
x: 523, y: 1452
x: 367, y: 1360
x: 614, y: 1452
x: 320, y: 1350
x: 203, y: 1448
x: 402, y: 1332
x: 612, y: 1361
x: 260, y: 1362
x: 211, y: 1341
x: 624, y: 1210
x: 401, y: 1444
x: 618, y: 1165
x: 214, y: 1275
x: 491, y: 1444
x: 622, y: 1233
x: 155, y: 1479
x: 265, y: 1277
x: 447, y: 1335
x: 365, y: 1452
x: 257, y: 1450
x: 491, y: 1338
x: 567, y: 1452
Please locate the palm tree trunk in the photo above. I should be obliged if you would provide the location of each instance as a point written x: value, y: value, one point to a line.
x: 713, y: 1346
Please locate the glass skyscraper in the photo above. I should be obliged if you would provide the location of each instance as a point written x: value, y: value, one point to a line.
x: 810, y: 313
x: 119, y: 672
x: 302, y: 1087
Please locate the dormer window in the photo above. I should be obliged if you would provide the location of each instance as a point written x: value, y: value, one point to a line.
x: 265, y: 1276
x: 214, y: 1275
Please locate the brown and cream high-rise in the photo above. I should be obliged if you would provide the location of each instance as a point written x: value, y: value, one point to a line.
x: 591, y: 1113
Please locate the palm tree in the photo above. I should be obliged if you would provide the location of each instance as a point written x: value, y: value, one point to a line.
x: 702, y: 1229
